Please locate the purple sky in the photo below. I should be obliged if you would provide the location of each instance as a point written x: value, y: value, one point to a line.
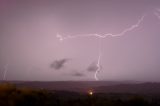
x: 30, y: 50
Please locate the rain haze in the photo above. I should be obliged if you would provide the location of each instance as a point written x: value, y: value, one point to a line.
x: 31, y: 50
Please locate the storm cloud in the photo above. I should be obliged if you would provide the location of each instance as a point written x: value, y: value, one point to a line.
x: 78, y: 74
x: 58, y: 64
x: 28, y: 38
x: 92, y: 67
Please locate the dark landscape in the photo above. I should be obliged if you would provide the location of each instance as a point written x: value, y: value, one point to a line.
x: 78, y: 93
x: 97, y: 86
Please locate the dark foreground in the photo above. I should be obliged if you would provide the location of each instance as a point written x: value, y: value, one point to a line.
x: 10, y: 95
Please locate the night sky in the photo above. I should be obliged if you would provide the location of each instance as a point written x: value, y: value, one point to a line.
x: 31, y: 49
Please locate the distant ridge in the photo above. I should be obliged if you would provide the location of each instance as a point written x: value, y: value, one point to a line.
x: 97, y: 86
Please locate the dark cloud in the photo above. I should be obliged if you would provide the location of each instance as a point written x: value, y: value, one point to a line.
x: 78, y: 74
x: 92, y: 67
x: 58, y: 64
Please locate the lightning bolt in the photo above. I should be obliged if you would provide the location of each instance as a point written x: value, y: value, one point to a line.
x: 98, y: 60
x: 157, y: 13
x: 5, y: 71
x: 100, y: 36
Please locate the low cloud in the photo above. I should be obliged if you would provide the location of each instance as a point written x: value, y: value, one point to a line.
x: 92, y: 67
x: 58, y: 64
x: 78, y: 74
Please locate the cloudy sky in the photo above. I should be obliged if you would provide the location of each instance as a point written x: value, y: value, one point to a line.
x: 31, y: 50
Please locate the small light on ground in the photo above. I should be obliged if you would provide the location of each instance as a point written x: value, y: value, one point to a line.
x: 90, y: 93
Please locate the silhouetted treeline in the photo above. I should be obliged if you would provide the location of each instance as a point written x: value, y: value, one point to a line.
x: 10, y: 95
